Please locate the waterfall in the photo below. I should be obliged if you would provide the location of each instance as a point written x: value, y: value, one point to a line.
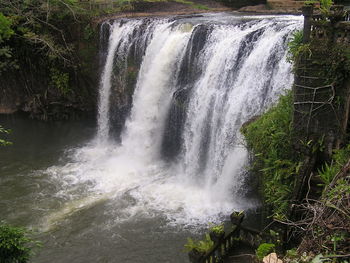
x: 156, y: 82
x: 186, y: 86
x: 119, y: 44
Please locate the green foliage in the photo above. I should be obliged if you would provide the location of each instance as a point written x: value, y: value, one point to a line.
x: 264, y: 249
x: 310, y: 2
x: 88, y: 32
x: 5, y: 51
x: 15, y: 244
x: 292, y: 253
x: 5, y: 28
x: 60, y: 80
x: 341, y: 189
x: 325, y: 7
x: 218, y: 229
x: 42, y: 27
x: 275, y: 237
x: 296, y: 47
x: 238, y: 213
x: 336, y: 238
x: 201, y: 245
x: 2, y: 141
x: 270, y: 138
x: 329, y: 171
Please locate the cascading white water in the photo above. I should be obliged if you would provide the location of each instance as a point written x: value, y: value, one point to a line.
x: 119, y: 44
x: 229, y: 69
x: 223, y: 100
x: 142, y: 136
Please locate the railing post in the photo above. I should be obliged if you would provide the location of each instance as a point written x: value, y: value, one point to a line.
x: 307, y: 13
x: 222, y: 244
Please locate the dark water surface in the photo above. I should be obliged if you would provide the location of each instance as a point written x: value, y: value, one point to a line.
x: 86, y: 234
x: 90, y: 232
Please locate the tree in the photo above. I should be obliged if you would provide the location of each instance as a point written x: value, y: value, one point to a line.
x: 15, y: 244
x: 5, y: 51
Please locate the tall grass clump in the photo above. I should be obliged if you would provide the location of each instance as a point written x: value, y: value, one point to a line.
x: 270, y: 139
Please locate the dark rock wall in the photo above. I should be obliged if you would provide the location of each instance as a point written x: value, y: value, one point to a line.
x: 29, y: 88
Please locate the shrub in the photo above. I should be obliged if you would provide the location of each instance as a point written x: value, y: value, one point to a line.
x: 329, y: 171
x: 296, y: 47
x: 201, y: 245
x: 60, y: 80
x: 217, y: 229
x: 5, y: 28
x: 264, y: 249
x: 325, y: 6
x: 15, y: 245
x: 270, y: 138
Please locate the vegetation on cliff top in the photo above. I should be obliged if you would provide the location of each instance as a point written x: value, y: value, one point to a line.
x: 47, y: 47
x: 270, y: 138
x: 42, y: 25
x: 322, y: 224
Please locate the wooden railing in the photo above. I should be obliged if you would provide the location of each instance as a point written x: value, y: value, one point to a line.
x: 237, y: 236
x: 333, y: 28
x: 222, y: 246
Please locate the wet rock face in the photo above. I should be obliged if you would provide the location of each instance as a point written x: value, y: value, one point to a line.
x: 9, y: 101
x: 172, y: 138
x: 189, y: 72
x: 29, y: 91
x: 123, y: 85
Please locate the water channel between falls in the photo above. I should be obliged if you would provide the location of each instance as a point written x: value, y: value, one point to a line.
x: 164, y: 160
